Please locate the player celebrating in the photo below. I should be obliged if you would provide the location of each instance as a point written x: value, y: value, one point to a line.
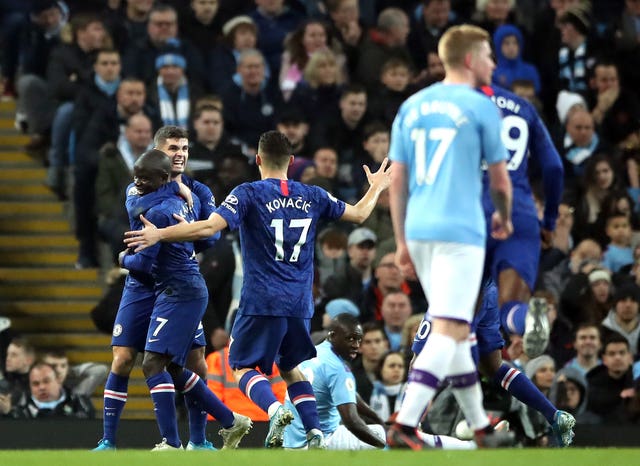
x: 277, y: 219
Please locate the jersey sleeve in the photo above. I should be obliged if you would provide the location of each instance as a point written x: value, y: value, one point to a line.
x: 493, y: 150
x: 207, y: 207
x: 330, y: 206
x: 396, y: 147
x: 547, y: 158
x: 137, y: 204
x: 234, y: 207
x: 342, y: 384
x: 143, y: 261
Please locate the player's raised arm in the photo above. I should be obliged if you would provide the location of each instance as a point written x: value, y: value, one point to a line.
x: 150, y: 235
x: 378, y: 182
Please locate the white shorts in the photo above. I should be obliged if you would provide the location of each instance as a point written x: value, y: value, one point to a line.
x: 343, y: 439
x: 450, y: 274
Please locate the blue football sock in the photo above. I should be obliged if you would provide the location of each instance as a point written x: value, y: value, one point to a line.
x: 513, y: 315
x: 163, y: 394
x: 302, y: 396
x: 258, y: 389
x: 197, y: 420
x: 193, y: 387
x: 519, y: 385
x: 115, y: 397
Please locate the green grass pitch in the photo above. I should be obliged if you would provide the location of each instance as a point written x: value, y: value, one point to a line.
x: 507, y: 457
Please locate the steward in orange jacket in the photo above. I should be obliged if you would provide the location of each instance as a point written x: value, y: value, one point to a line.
x: 221, y: 382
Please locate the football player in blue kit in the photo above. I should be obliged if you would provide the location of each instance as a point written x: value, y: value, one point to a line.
x: 132, y: 320
x: 277, y: 219
x: 513, y: 263
x: 487, y: 343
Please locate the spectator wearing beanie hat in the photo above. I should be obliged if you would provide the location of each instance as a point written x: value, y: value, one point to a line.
x: 541, y: 371
x: 172, y: 92
x: 575, y: 58
x: 624, y: 318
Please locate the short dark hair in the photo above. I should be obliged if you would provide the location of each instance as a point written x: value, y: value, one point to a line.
x: 374, y: 327
x: 345, y: 321
x: 374, y: 127
x: 169, y: 132
x: 275, y: 148
x: 205, y: 108
x: 156, y: 160
x: 353, y: 88
x: 612, y: 338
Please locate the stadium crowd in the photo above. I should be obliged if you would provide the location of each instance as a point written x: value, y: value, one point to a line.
x: 93, y: 81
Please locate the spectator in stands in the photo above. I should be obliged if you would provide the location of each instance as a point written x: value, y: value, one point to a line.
x: 234, y: 169
x: 569, y: 392
x: 426, y: 29
x: 201, y: 24
x: 395, y: 310
x: 274, y: 21
x: 375, y: 147
x: 105, y: 125
x: 541, y: 371
x: 115, y: 172
x: 47, y: 398
x: 221, y: 382
x: 325, y: 159
x: 78, y: 379
x: 618, y: 252
x: 587, y: 344
x: 623, y: 318
x: 583, y: 258
x: 610, y: 385
x: 310, y: 37
x: 576, y: 56
x: 345, y: 131
x: 318, y: 94
x: 172, y: 93
x: 352, y: 282
x: 587, y: 297
x: 388, y: 388
x: 259, y: 102
x: 98, y: 91
x: 374, y: 345
x: 393, y: 90
x: 600, y: 179
x: 294, y: 124
x: 580, y: 142
x: 490, y: 15
x: 347, y: 28
x: 69, y: 70
x: 626, y: 34
x: 209, y: 144
x: 162, y: 30
x: 20, y: 357
x: 387, y: 40
x: 240, y: 34
x: 615, y: 109
x: 38, y: 36
x: 509, y: 47
x: 128, y: 24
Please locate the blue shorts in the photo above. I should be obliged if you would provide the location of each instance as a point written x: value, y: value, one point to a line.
x: 486, y: 326
x: 259, y: 341
x: 174, y: 326
x: 132, y: 320
x: 521, y: 251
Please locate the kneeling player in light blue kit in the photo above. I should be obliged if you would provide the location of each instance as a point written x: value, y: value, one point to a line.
x: 340, y: 408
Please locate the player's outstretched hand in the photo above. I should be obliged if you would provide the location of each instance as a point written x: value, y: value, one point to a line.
x: 142, y: 239
x: 500, y: 229
x: 380, y: 179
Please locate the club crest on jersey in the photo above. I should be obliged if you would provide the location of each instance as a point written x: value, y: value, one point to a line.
x: 117, y: 330
x: 231, y: 199
x: 132, y: 191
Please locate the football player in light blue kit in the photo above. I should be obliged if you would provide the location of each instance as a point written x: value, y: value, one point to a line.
x: 339, y: 405
x: 440, y: 138
x: 513, y: 263
x: 138, y: 298
x: 277, y: 219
